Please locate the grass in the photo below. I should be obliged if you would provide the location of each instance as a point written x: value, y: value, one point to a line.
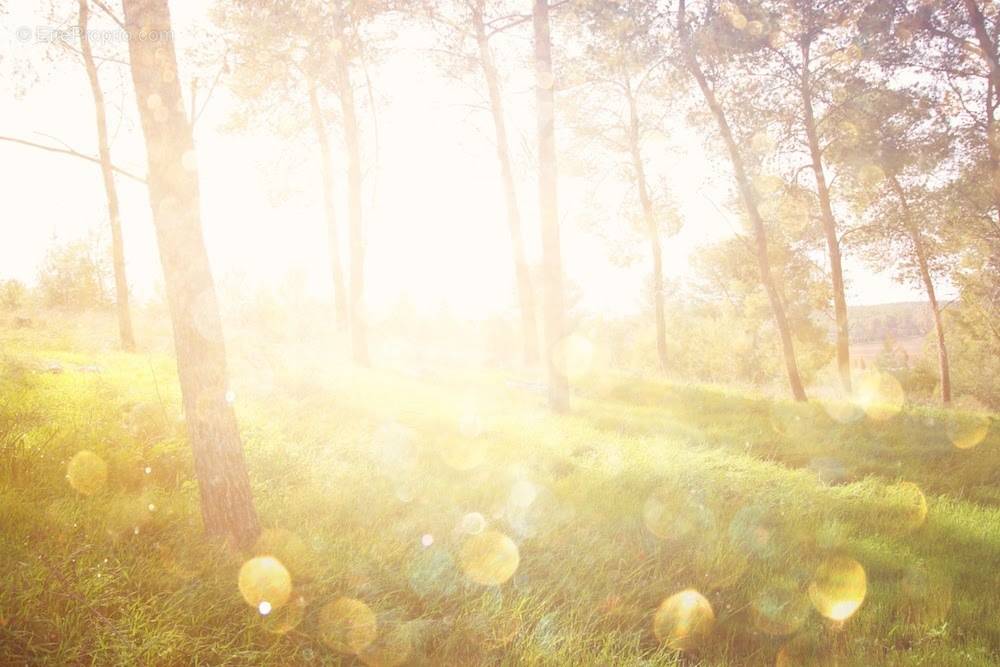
x: 364, y: 480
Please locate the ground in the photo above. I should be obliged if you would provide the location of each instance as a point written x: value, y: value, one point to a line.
x: 446, y: 518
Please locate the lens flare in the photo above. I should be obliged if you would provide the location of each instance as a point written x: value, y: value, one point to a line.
x: 391, y: 648
x: 880, y: 395
x: 347, y: 625
x: 838, y: 588
x: 87, y: 472
x: 289, y: 549
x: 672, y: 514
x: 463, y: 453
x: 967, y: 430
x: 780, y: 609
x: 912, y: 504
x: 684, y: 620
x: 472, y: 523
x: 285, y: 619
x: 490, y: 558
x: 265, y: 579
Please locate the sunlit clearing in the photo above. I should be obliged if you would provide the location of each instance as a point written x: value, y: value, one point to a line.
x: 880, y: 395
x: 489, y: 558
x: 838, y: 588
x: 684, y: 621
x: 87, y: 472
x: 347, y: 625
x: 265, y: 581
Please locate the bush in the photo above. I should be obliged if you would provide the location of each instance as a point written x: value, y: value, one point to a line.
x: 12, y: 294
x: 75, y: 276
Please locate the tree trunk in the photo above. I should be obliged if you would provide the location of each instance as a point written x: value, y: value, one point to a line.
x: 352, y: 141
x: 552, y: 278
x: 125, y: 333
x: 747, y: 195
x: 925, y: 275
x: 651, y: 228
x: 829, y: 228
x: 339, y: 291
x: 226, y: 501
x: 525, y: 290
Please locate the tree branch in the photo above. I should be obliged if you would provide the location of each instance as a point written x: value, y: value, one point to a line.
x: 70, y: 151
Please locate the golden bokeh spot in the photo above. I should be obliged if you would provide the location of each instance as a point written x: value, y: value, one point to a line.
x: 347, y: 625
x: 967, y: 430
x: 573, y: 356
x: 286, y: 618
x: 684, y: 620
x: 391, y: 647
x: 780, y: 609
x: 738, y: 20
x: 880, y: 395
x: 838, y: 588
x: 755, y: 28
x: 87, y: 472
x: 265, y: 579
x: 912, y: 504
x: 489, y: 558
x: 290, y: 550
x: 761, y: 142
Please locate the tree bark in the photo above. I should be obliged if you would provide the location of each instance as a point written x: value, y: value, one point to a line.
x: 226, y: 501
x: 552, y: 278
x: 125, y: 332
x: 352, y: 142
x: 651, y: 228
x: 829, y: 227
x: 525, y: 290
x: 747, y: 195
x: 329, y: 212
x: 920, y: 252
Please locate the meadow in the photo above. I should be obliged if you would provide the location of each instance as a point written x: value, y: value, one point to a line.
x: 447, y: 518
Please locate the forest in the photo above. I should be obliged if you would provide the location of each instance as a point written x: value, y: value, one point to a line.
x: 500, y: 332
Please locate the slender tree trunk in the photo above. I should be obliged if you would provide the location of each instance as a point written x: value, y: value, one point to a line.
x: 651, y: 229
x: 339, y: 291
x: 552, y: 278
x: 352, y: 141
x: 920, y: 252
x: 747, y: 195
x: 226, y: 501
x: 829, y: 228
x: 125, y: 332
x: 989, y: 53
x: 525, y: 290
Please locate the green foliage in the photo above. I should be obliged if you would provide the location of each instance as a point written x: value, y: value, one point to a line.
x: 75, y: 275
x: 361, y: 465
x: 12, y: 294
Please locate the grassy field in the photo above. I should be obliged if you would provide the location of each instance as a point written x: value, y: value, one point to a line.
x: 447, y: 519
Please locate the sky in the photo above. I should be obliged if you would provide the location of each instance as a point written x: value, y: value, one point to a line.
x: 436, y: 226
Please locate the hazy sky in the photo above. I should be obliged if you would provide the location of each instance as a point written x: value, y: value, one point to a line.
x: 437, y: 234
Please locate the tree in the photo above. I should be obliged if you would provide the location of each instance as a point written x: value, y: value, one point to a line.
x: 470, y: 29
x: 111, y: 192
x: 747, y: 196
x: 552, y: 273
x: 226, y: 500
x: 623, y: 72
x: 272, y: 70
